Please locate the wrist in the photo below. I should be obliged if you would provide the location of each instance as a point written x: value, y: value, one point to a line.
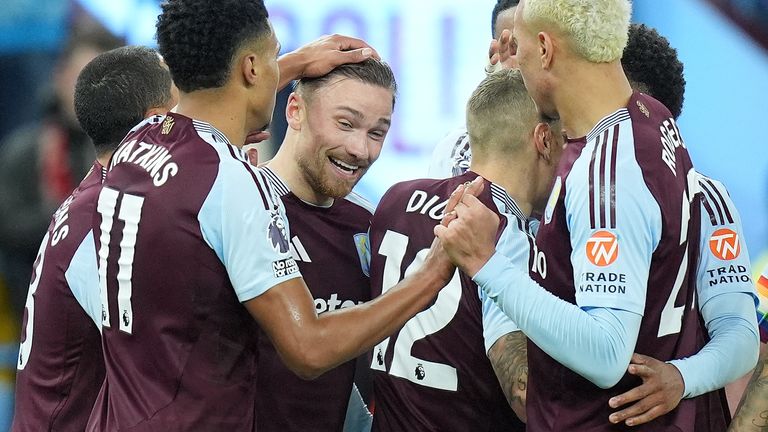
x: 475, y: 263
x: 680, y: 376
x: 292, y: 66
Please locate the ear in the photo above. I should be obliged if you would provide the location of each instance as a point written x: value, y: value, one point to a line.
x: 543, y: 139
x: 249, y: 69
x: 294, y: 111
x: 546, y: 49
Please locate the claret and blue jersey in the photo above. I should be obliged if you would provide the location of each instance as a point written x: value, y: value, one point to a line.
x: 188, y: 230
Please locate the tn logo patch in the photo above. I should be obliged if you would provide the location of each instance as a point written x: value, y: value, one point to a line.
x: 602, y: 248
x: 724, y: 244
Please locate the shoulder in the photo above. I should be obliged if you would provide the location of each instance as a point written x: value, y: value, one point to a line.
x: 716, y: 202
x: 358, y: 201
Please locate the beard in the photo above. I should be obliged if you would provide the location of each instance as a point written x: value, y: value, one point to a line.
x: 317, y: 177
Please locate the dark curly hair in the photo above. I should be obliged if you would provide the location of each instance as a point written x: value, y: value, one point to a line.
x: 199, y: 38
x: 115, y: 90
x: 652, y: 67
x: 501, y: 6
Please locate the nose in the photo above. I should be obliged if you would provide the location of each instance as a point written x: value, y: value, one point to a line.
x: 358, y: 147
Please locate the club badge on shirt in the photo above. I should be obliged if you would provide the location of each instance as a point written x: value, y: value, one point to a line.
x: 363, y: 252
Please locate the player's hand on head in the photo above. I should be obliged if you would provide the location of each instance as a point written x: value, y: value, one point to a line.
x: 503, y: 52
x: 661, y: 391
x: 470, y: 239
x: 326, y: 53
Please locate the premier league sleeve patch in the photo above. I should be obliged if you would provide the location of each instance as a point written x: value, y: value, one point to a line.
x: 277, y: 233
x: 363, y: 252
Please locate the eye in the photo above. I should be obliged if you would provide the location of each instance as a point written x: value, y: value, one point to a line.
x: 377, y: 135
x: 344, y: 124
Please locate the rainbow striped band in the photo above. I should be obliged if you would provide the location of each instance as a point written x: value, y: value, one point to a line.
x: 762, y: 309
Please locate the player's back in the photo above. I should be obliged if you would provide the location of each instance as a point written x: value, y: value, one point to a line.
x: 329, y: 244
x: 434, y: 373
x: 621, y: 231
x: 60, y: 365
x: 180, y: 348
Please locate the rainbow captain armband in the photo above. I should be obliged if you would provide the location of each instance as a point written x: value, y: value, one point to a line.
x: 762, y: 308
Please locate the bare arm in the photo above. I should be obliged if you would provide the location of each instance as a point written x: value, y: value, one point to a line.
x: 310, y: 344
x: 319, y: 57
x: 509, y: 358
x: 752, y: 414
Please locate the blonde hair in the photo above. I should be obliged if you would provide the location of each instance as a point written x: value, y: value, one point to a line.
x: 500, y: 114
x: 597, y: 29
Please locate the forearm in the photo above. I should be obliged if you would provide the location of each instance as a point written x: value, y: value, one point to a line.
x: 310, y: 344
x: 291, y: 66
x: 733, y: 347
x: 350, y: 332
x: 604, y: 338
x: 752, y: 415
x: 509, y: 358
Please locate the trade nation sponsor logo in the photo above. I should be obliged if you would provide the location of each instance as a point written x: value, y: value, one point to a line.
x: 602, y: 248
x: 724, y: 244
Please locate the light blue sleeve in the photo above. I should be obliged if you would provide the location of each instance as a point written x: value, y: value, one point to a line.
x: 727, y: 297
x: 611, y: 242
x: 82, y: 276
x: 358, y: 418
x: 495, y: 322
x: 733, y: 347
x: 244, y: 222
x: 596, y: 343
x: 724, y: 264
x: 515, y: 245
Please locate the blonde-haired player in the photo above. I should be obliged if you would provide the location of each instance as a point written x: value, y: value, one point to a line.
x: 615, y: 252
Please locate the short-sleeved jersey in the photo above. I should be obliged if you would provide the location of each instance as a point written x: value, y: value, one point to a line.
x: 621, y: 230
x: 434, y: 373
x: 451, y: 156
x: 61, y: 367
x: 187, y: 231
x: 330, y: 245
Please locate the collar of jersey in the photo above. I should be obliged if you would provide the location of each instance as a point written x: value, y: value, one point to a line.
x: 608, y: 121
x: 203, y: 127
x: 509, y: 204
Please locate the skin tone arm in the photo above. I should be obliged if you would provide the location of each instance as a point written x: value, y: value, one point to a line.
x: 310, y: 344
x: 661, y: 391
x: 752, y: 415
x: 321, y: 56
x: 509, y: 358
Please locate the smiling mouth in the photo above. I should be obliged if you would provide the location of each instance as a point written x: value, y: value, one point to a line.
x: 351, y: 169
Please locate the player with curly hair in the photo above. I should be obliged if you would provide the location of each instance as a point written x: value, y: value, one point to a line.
x: 194, y: 245
x: 615, y: 285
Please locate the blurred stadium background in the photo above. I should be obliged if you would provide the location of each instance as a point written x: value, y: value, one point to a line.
x: 438, y: 49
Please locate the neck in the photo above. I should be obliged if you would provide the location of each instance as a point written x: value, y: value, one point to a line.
x: 214, y: 106
x: 521, y: 186
x: 104, y: 158
x: 285, y: 165
x: 589, y: 92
